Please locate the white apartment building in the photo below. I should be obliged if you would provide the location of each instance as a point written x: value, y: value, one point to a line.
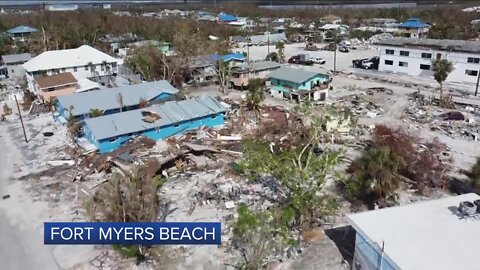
x: 83, y: 62
x: 415, y: 57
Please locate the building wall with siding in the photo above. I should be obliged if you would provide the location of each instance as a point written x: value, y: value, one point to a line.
x: 303, y: 86
x: 111, y: 144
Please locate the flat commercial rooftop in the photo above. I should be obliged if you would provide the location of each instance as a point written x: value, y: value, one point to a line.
x: 424, y: 235
x: 434, y: 44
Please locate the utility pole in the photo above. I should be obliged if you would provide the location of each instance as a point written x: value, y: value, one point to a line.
x: 21, y: 119
x: 335, y: 54
x: 478, y: 80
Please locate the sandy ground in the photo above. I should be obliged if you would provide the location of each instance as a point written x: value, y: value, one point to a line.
x: 23, y: 214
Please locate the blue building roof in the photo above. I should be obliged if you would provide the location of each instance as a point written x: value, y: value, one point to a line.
x: 413, y: 23
x: 230, y: 57
x: 22, y: 29
x: 107, y: 99
x: 294, y: 75
x: 114, y: 125
x: 227, y: 17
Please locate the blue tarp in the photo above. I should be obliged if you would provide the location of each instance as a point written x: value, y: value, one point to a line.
x: 413, y: 23
x: 226, y: 17
x: 229, y: 57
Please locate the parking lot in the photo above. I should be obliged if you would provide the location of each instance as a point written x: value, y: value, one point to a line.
x: 344, y: 60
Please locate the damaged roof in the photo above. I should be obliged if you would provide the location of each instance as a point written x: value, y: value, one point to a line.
x: 107, y: 99
x: 434, y: 44
x: 294, y: 75
x: 256, y: 66
x: 113, y: 125
x: 56, y: 80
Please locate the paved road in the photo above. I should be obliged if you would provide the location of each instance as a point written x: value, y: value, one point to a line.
x: 21, y: 242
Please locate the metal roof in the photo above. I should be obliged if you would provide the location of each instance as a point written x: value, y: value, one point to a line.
x: 230, y: 56
x: 113, y: 125
x: 107, y: 99
x: 22, y: 29
x: 413, y: 23
x: 434, y: 44
x: 226, y: 17
x: 294, y: 75
x: 78, y: 57
x: 256, y: 66
x: 16, y: 58
x: 272, y: 38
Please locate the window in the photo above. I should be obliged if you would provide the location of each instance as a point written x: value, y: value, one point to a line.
x: 177, y: 125
x: 389, y: 51
x: 402, y: 64
x: 112, y: 140
x: 64, y: 70
x: 470, y: 72
x: 214, y: 116
x: 424, y: 67
x: 103, y: 68
x: 427, y: 55
x: 439, y: 56
x: 473, y: 60
x: 86, y: 67
x: 389, y: 62
x: 75, y: 69
x: 404, y: 53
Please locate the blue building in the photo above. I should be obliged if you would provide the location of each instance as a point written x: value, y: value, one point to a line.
x: 156, y: 122
x: 413, y: 28
x: 110, y: 101
x: 297, y: 84
x: 21, y: 31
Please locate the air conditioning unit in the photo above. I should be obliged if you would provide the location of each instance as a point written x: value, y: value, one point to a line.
x: 467, y: 208
x: 477, y: 204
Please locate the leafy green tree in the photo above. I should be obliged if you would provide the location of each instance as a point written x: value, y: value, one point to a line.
x: 256, y: 93
x: 378, y: 173
x: 280, y: 46
x: 441, y: 69
x: 299, y: 169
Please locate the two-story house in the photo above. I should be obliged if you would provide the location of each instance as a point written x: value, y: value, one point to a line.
x: 50, y: 87
x: 246, y: 71
x: 298, y: 84
x: 82, y: 62
x: 413, y: 28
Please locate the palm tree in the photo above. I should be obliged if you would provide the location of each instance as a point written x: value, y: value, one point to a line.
x: 92, y: 68
x: 442, y: 69
x: 280, y: 51
x: 120, y: 101
x: 378, y: 171
x: 256, y: 93
x: 273, y: 56
x: 95, y: 113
